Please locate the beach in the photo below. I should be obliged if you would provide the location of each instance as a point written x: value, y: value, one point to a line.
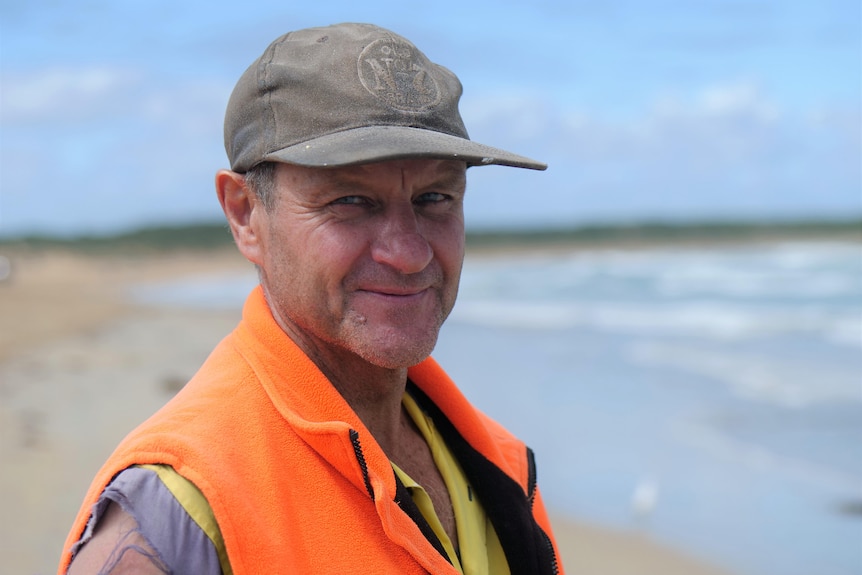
x: 81, y: 364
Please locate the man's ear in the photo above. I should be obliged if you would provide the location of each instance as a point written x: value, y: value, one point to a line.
x: 244, y: 213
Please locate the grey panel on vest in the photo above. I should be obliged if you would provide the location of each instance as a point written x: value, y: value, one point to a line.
x: 179, y: 542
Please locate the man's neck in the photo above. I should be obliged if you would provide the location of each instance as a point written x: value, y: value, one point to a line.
x: 375, y: 395
x: 373, y: 392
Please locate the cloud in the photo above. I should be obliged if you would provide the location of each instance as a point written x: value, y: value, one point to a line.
x: 726, y: 150
x: 743, y: 99
x: 64, y: 94
x: 106, y: 149
x: 717, y: 122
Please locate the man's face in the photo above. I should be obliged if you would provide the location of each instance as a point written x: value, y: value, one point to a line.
x: 365, y: 260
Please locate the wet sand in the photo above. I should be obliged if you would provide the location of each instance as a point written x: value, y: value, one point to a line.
x: 80, y: 366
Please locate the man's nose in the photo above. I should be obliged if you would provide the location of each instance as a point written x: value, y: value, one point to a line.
x: 400, y: 242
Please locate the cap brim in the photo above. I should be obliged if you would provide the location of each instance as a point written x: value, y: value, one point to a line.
x: 381, y: 143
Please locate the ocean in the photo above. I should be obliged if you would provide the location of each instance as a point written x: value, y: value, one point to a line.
x: 710, y: 397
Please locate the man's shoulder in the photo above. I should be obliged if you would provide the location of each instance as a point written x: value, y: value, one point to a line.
x: 174, y: 521
x: 215, y: 403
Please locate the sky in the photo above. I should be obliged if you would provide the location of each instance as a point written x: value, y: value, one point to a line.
x: 111, y: 111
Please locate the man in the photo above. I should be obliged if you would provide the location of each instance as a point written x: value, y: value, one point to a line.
x: 320, y: 437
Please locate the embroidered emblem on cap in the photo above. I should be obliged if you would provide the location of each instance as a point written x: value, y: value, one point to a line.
x: 397, y: 73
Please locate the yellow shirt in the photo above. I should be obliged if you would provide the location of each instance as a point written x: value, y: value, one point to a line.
x: 481, y: 552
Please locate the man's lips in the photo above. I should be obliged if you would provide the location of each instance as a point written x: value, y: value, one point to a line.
x: 393, y: 291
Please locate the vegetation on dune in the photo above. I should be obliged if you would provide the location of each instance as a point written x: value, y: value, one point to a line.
x: 148, y: 239
x: 672, y: 232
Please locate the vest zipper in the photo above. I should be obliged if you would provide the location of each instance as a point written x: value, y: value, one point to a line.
x: 555, y: 566
x: 531, y: 477
x: 360, y: 457
x: 531, y: 494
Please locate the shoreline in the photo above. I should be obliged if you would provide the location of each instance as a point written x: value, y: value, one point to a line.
x: 80, y: 366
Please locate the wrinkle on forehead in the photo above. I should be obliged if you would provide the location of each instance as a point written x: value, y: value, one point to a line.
x: 437, y: 174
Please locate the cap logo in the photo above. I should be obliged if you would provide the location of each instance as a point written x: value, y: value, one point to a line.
x: 397, y: 73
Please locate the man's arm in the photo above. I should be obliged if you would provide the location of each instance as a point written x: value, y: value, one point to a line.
x: 117, y: 546
x: 139, y: 525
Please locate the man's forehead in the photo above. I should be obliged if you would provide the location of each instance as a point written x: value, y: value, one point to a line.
x: 420, y: 172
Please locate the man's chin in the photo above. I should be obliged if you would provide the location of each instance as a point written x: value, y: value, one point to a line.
x: 397, y: 351
x: 397, y: 359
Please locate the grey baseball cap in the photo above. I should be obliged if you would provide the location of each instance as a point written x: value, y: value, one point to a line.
x: 349, y: 94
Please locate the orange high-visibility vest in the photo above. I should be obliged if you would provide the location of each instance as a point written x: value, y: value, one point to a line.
x: 297, y: 483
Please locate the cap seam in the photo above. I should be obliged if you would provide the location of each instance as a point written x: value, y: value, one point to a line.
x: 265, y: 87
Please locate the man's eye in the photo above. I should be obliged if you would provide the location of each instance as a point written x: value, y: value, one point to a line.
x: 431, y: 198
x: 350, y: 201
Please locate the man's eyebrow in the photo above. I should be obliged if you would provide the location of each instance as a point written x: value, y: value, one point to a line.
x: 336, y: 185
x: 343, y: 183
x: 453, y: 180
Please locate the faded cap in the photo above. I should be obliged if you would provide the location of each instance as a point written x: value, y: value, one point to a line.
x: 349, y: 94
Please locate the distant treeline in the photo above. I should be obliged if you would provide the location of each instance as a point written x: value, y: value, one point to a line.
x: 154, y: 238
x: 217, y: 235
x: 670, y: 232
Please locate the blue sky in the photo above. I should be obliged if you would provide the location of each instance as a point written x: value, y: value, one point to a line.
x: 111, y: 111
